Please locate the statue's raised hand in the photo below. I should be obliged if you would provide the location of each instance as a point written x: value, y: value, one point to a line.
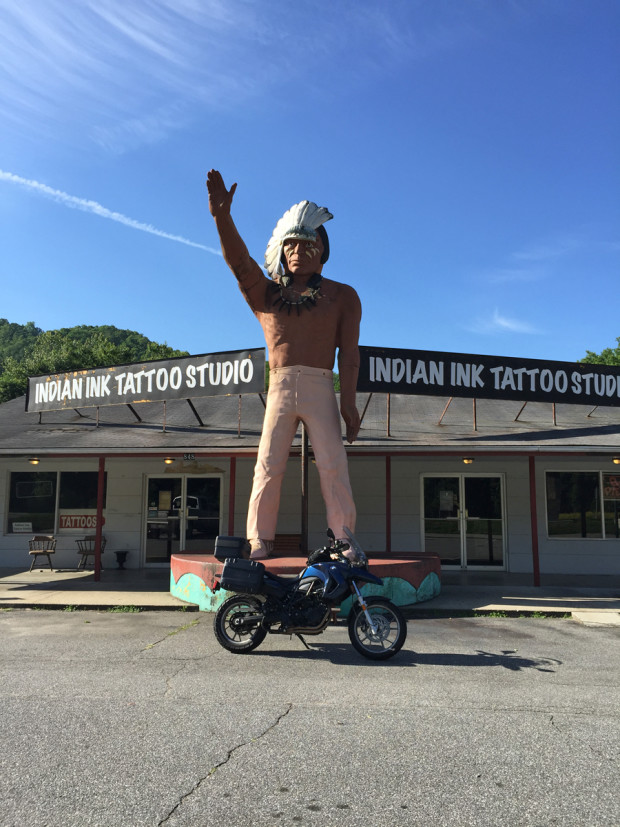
x: 220, y: 199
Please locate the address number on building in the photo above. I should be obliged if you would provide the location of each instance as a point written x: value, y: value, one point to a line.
x: 190, y: 457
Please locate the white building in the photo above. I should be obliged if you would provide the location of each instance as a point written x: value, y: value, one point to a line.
x: 488, y: 484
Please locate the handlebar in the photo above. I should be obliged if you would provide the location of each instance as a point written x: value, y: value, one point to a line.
x: 336, y: 548
x: 332, y: 551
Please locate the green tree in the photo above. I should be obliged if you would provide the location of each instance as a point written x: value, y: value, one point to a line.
x: 155, y: 351
x: 135, y: 343
x: 56, y: 351
x: 15, y: 339
x: 609, y: 356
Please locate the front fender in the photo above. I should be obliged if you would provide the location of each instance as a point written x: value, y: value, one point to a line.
x: 367, y: 577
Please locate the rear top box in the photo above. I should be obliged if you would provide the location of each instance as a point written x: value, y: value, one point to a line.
x: 228, y: 548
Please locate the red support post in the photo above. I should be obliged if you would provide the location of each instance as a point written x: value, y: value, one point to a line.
x: 534, y: 521
x: 388, y: 503
x: 304, y: 488
x: 99, y: 528
x: 231, y: 496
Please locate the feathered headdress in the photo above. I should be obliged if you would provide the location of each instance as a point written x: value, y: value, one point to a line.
x: 301, y: 221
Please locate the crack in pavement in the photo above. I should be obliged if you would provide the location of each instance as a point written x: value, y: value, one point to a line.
x: 566, y: 732
x: 222, y: 763
x: 176, y: 631
x: 170, y: 678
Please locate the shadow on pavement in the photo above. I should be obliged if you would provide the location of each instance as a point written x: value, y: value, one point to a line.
x: 345, y: 655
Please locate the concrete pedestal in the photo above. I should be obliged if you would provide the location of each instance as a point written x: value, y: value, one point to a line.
x: 406, y: 579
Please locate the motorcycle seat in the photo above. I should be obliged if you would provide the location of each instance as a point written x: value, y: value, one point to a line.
x: 285, y: 580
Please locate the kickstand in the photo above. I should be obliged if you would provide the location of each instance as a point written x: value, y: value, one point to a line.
x: 302, y: 640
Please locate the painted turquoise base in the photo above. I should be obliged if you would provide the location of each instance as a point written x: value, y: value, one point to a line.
x: 399, y: 591
x: 191, y: 589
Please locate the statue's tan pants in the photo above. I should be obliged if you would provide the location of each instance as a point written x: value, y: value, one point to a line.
x: 300, y: 394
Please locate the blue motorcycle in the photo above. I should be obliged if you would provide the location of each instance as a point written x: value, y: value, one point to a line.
x: 266, y: 603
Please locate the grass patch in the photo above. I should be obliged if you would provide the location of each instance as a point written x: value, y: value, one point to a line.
x: 535, y: 614
x: 447, y: 614
x: 175, y: 632
x: 126, y: 609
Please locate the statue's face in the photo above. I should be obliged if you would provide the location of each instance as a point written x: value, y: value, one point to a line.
x: 303, y: 258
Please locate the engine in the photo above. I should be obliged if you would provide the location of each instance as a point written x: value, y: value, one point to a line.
x: 305, y: 611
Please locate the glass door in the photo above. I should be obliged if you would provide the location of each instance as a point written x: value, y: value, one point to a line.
x: 202, y: 513
x: 463, y: 520
x: 483, y: 529
x: 183, y: 513
x: 442, y: 518
x: 163, y: 528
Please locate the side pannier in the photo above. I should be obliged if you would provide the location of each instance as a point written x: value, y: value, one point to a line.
x: 240, y: 575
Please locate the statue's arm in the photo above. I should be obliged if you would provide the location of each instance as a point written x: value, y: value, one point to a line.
x: 236, y: 255
x: 349, y: 360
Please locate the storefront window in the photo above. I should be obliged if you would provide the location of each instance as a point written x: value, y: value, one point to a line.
x: 78, y: 489
x: 611, y: 504
x: 32, y: 502
x: 574, y: 504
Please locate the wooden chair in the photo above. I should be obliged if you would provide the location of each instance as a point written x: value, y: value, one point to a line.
x: 42, y: 545
x: 86, y: 548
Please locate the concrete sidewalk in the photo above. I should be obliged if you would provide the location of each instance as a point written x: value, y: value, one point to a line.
x: 587, y: 601
x: 42, y: 589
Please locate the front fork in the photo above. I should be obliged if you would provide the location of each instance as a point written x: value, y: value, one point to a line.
x: 362, y: 602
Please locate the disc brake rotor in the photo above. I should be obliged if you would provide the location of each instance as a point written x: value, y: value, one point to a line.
x: 382, y: 626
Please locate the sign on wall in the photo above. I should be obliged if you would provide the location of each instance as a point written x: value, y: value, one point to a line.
x: 214, y: 374
x: 86, y: 521
x: 432, y: 373
x: 611, y: 486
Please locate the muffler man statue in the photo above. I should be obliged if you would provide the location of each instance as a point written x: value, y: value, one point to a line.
x: 306, y: 318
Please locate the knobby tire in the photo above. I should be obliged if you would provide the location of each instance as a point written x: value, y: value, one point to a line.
x: 240, y: 641
x: 392, y: 630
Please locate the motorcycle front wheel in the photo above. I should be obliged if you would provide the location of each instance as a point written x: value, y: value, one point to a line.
x: 390, y: 625
x: 237, y: 625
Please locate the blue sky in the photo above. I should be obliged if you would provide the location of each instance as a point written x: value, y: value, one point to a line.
x: 468, y: 150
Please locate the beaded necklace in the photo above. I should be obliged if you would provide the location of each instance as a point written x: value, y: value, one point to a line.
x: 306, y: 299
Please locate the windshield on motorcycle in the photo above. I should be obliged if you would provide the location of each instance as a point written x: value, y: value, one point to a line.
x: 359, y: 557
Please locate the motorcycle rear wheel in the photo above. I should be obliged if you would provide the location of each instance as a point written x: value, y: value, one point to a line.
x: 391, y: 629
x: 231, y: 630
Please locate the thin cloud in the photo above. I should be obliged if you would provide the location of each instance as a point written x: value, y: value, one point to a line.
x: 125, y: 67
x: 115, y: 62
x: 550, y: 251
x: 535, y: 262
x: 510, y: 275
x: 502, y: 324
x: 97, y: 209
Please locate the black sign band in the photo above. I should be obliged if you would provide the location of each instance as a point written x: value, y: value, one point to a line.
x: 214, y: 374
x: 430, y: 373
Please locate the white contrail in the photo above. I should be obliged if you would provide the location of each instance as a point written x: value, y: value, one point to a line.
x: 98, y: 209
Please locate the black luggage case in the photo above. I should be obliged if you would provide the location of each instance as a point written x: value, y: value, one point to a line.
x: 242, y: 576
x: 227, y: 548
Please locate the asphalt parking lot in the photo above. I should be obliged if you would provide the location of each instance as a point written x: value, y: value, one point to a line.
x: 115, y: 718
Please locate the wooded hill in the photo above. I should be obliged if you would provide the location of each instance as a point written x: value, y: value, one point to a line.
x: 26, y: 350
